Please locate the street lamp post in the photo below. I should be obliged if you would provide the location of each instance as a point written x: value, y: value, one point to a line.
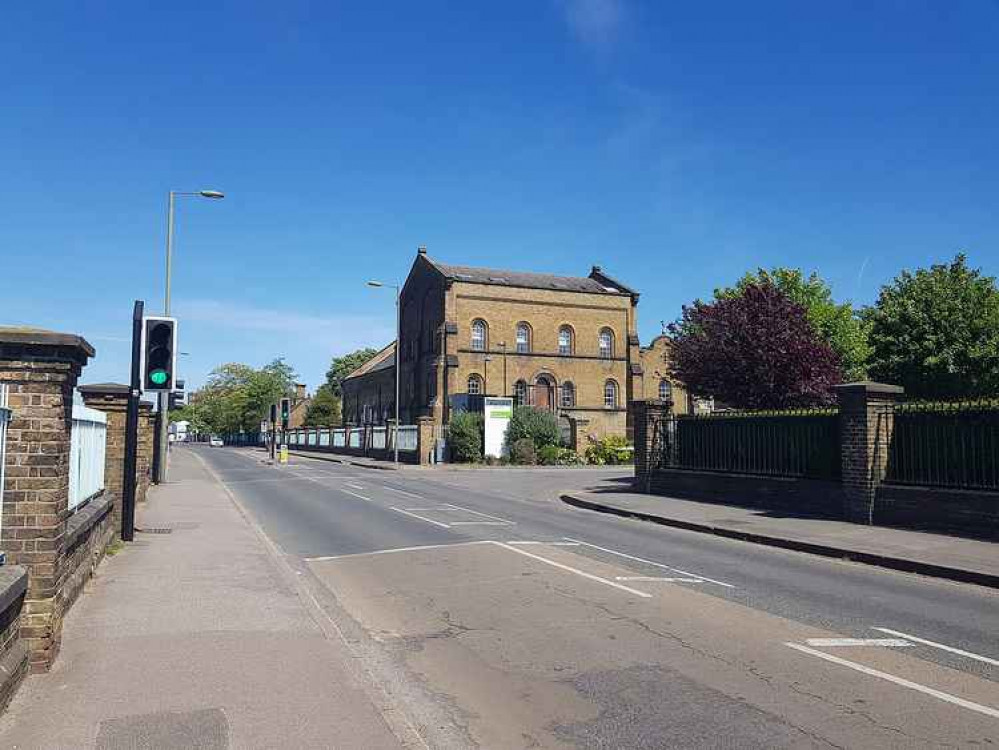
x: 164, y: 396
x: 398, y: 331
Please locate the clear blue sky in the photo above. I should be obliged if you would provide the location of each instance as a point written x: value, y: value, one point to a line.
x: 675, y: 144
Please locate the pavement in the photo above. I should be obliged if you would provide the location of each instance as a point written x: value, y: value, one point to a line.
x: 938, y: 555
x: 198, y: 638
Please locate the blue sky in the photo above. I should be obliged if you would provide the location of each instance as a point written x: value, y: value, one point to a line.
x: 675, y: 144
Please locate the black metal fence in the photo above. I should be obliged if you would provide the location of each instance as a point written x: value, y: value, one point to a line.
x: 793, y: 444
x: 945, y: 445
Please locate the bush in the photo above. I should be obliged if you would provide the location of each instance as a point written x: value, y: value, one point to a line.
x: 537, y: 425
x: 523, y: 452
x: 553, y: 455
x: 465, y: 436
x: 613, y: 449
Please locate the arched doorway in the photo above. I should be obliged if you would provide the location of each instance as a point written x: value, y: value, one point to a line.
x: 544, y: 392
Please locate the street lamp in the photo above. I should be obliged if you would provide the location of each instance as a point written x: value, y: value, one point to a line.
x: 164, y: 396
x: 398, y: 331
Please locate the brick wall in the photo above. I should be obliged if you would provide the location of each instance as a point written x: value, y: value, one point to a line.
x: 39, y: 532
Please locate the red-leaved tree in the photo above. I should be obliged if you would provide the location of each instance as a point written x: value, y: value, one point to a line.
x: 754, y: 350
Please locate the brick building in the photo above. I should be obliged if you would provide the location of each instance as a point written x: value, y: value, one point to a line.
x: 656, y: 381
x: 569, y: 344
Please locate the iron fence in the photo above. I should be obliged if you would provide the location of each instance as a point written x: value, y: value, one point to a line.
x: 945, y: 445
x: 793, y: 444
x: 88, y: 443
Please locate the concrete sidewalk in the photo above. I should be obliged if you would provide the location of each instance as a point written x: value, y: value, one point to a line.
x: 937, y: 555
x: 196, y: 639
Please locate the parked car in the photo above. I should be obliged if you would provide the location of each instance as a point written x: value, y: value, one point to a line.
x: 215, y: 442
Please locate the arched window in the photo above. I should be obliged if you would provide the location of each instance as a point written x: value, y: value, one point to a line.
x: 474, y: 385
x: 568, y: 395
x: 565, y: 340
x: 520, y: 393
x: 665, y: 390
x: 479, y: 335
x: 610, y: 395
x: 523, y: 338
x: 605, y: 343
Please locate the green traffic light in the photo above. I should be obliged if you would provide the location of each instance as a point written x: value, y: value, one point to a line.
x: 159, y: 377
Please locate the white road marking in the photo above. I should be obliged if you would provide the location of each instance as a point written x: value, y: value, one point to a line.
x: 548, y: 544
x: 428, y: 520
x: 477, y: 513
x: 362, y: 497
x: 355, y: 486
x: 658, y: 578
x: 651, y: 562
x: 570, y: 569
x: 324, y: 558
x: 934, y: 644
x: 480, y: 523
x: 402, y: 492
x: 939, y: 694
x: 837, y: 642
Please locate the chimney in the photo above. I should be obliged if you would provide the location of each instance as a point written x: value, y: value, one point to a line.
x: 421, y: 250
x: 299, y: 391
x: 596, y: 269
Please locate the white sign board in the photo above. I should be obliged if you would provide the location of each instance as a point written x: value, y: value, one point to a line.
x: 497, y: 416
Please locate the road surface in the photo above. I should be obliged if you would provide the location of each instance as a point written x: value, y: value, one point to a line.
x: 494, y: 616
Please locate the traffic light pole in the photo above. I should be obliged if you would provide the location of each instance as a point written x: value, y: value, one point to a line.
x: 131, y: 431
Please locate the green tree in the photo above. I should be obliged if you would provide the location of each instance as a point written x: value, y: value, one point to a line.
x: 837, y: 324
x: 341, y: 367
x: 237, y: 396
x: 324, y: 409
x: 936, y: 332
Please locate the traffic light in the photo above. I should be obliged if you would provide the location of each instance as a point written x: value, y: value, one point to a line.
x: 285, y: 412
x: 176, y: 400
x: 159, y: 353
x: 273, y: 414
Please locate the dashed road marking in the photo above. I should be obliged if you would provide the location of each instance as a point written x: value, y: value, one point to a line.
x: 651, y: 562
x: 844, y: 642
x: 478, y: 513
x: 933, y: 692
x: 941, y: 646
x: 653, y: 579
x: 422, y: 518
x: 402, y: 492
x: 325, y: 558
x: 577, y: 571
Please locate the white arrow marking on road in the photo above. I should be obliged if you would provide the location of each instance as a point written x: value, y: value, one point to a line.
x: 934, y: 644
x: 659, y: 578
x: 834, y: 642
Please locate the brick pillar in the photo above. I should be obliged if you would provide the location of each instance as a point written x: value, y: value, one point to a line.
x: 112, y: 399
x: 579, y: 434
x: 425, y: 439
x: 866, y: 424
x: 41, y: 368
x: 144, y: 457
x: 646, y: 415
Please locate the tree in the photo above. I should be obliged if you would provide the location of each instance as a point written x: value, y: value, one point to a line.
x: 341, y: 367
x: 936, y: 332
x: 237, y: 396
x: 837, y: 324
x: 324, y: 409
x: 755, y: 349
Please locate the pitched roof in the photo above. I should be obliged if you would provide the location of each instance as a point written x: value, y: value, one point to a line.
x: 595, y: 283
x: 381, y: 361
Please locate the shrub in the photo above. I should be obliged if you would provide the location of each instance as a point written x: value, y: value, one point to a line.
x: 553, y: 455
x: 537, y: 425
x: 613, y: 449
x: 523, y: 452
x: 465, y: 436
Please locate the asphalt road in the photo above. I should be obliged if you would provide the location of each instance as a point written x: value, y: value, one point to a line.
x: 495, y: 616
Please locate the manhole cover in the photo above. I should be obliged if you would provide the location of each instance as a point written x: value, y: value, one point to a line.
x: 149, y: 530
x: 189, y: 730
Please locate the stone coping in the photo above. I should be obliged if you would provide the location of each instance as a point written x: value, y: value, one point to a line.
x: 81, y: 522
x: 41, y: 337
x: 13, y: 583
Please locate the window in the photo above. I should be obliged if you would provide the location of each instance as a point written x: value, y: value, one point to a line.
x: 523, y: 338
x: 665, y: 390
x: 610, y: 395
x: 479, y: 335
x: 565, y: 340
x: 605, y: 343
x: 520, y: 393
x: 568, y: 395
x: 474, y: 385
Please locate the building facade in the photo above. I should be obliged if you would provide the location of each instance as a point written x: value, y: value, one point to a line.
x: 569, y: 344
x: 656, y: 381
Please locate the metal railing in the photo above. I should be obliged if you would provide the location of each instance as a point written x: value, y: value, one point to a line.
x: 408, y: 437
x: 88, y: 444
x: 792, y: 444
x: 945, y: 445
x: 374, y: 438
